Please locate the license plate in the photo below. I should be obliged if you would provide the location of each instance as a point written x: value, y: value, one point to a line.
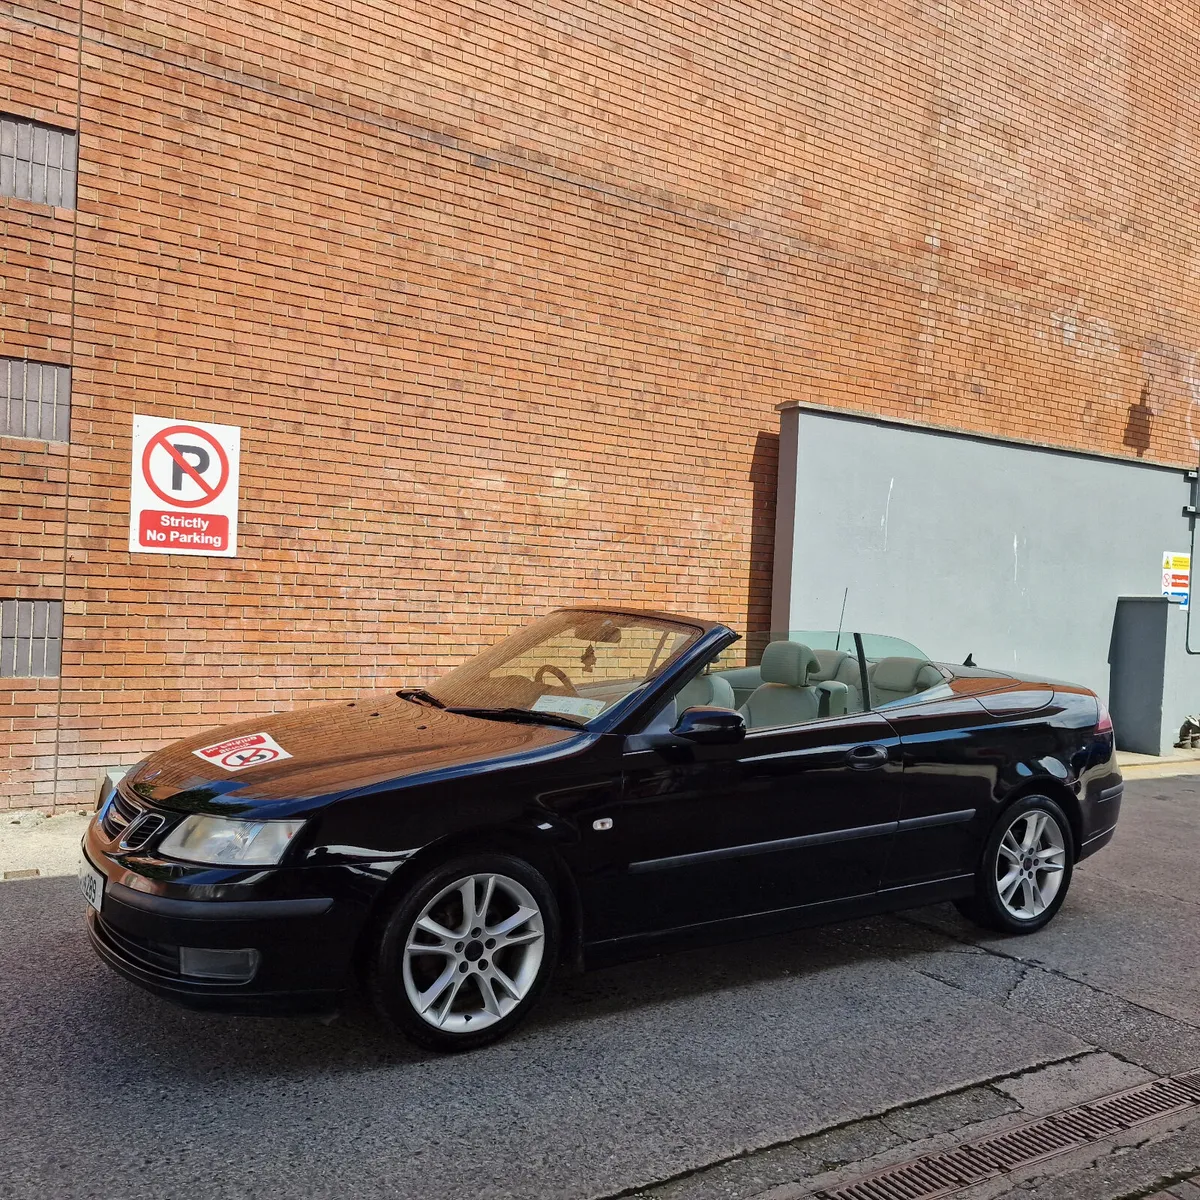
x: 91, y: 884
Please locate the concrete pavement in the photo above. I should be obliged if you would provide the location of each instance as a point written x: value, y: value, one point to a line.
x: 1153, y: 766
x: 33, y: 844
x: 765, y: 1069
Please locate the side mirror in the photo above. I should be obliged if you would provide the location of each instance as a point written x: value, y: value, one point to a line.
x: 709, y: 726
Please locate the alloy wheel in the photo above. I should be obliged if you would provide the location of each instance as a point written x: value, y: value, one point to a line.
x: 473, y: 954
x: 1029, y: 864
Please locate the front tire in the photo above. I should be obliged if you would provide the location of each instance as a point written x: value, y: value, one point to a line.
x: 1026, y: 869
x: 465, y: 954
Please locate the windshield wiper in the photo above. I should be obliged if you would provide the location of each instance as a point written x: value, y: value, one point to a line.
x: 519, y: 715
x: 420, y: 696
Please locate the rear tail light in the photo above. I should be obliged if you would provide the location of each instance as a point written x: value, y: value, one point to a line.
x: 1104, y: 724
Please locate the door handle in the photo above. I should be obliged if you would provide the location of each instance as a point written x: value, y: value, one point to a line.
x: 867, y: 758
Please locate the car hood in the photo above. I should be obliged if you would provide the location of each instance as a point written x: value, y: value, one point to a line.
x: 333, y: 750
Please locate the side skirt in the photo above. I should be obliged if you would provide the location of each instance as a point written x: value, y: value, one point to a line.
x: 733, y: 929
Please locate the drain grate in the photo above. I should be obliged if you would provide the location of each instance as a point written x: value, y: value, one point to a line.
x: 943, y: 1174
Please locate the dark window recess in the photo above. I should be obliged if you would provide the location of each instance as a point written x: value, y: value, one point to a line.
x: 30, y: 638
x: 38, y: 162
x: 35, y: 400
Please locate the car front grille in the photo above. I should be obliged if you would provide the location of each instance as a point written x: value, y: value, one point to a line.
x: 141, y: 829
x: 126, y: 820
x: 158, y: 957
x: 118, y: 814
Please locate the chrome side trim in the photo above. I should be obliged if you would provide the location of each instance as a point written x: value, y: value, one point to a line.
x: 823, y: 838
x: 799, y: 754
x: 1110, y: 793
x: 1097, y: 836
x: 961, y: 817
x: 928, y: 883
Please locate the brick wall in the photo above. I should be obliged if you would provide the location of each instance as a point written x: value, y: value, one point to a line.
x: 503, y: 296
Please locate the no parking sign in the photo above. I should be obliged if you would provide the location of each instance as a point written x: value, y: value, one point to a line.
x: 249, y: 750
x: 183, y: 495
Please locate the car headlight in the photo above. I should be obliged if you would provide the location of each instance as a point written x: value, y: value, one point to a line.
x: 228, y: 842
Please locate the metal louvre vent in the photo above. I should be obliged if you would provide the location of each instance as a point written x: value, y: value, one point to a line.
x: 38, y: 162
x: 35, y: 400
x: 943, y: 1174
x: 30, y: 638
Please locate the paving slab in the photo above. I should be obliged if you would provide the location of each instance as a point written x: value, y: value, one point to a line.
x: 792, y: 1168
x: 1160, y: 1044
x: 1064, y: 1085
x: 1131, y: 924
x: 1152, y: 766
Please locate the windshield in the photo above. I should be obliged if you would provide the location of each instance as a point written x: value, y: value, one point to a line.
x: 573, y: 663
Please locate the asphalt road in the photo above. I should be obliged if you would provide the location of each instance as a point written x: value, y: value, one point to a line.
x: 625, y: 1077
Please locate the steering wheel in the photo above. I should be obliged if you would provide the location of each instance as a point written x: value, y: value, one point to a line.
x: 540, y: 677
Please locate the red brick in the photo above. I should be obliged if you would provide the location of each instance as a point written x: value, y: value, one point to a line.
x: 504, y: 299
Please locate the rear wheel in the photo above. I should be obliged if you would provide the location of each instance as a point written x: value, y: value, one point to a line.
x: 1026, y: 868
x: 466, y: 953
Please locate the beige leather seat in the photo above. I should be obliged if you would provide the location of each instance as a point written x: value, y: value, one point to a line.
x: 743, y: 680
x: 899, y: 678
x: 841, y: 667
x: 830, y: 663
x: 785, y: 697
x: 705, y: 689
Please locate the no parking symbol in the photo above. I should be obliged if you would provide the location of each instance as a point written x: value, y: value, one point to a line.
x: 184, y: 490
x: 236, y: 759
x: 249, y: 750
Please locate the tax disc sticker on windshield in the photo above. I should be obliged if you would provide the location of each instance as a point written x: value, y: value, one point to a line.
x: 249, y: 750
x: 568, y: 706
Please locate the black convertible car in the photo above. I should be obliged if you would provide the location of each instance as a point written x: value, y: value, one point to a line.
x: 601, y: 784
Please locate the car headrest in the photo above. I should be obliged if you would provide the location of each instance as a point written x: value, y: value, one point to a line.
x: 706, y: 690
x: 899, y: 674
x: 788, y: 662
x: 831, y: 663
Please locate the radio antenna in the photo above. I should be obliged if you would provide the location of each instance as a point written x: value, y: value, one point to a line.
x: 837, y: 645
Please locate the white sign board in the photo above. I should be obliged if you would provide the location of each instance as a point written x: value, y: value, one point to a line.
x: 1176, y: 577
x: 183, y: 497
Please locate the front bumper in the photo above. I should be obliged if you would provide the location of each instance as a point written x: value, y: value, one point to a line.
x: 304, y: 942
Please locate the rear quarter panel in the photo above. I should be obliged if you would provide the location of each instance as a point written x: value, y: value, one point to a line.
x: 973, y: 751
